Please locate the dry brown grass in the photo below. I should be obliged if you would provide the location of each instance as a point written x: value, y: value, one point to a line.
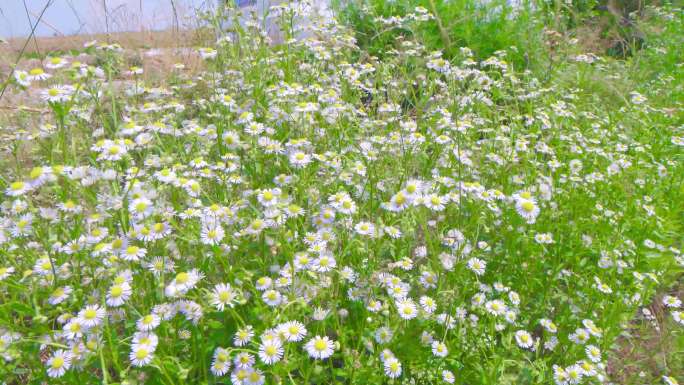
x: 169, y: 45
x: 156, y: 52
x: 129, y: 40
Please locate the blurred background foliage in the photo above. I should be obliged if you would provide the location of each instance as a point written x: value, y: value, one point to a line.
x: 602, y: 26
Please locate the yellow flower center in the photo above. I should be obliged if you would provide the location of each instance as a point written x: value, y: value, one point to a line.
x: 182, y: 277
x: 528, y: 206
x: 57, y: 362
x: 116, y: 291
x: 140, y: 206
x: 320, y: 345
x: 16, y: 186
x: 36, y: 172
x: 141, y: 353
x: 90, y: 314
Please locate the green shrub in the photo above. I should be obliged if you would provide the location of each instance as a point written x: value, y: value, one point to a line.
x: 484, y: 27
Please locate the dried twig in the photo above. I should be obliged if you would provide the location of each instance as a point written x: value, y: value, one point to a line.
x: 24, y: 108
x: 21, y: 53
x: 28, y: 17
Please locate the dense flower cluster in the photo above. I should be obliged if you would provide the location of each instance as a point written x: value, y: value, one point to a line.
x: 291, y: 214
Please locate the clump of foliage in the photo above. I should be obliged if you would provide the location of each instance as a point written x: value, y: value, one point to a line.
x: 307, y: 213
x: 485, y: 27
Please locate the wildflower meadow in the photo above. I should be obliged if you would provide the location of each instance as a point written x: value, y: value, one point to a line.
x: 304, y: 212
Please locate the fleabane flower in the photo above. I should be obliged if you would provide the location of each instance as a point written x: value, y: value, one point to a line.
x: 439, y: 349
x: 524, y: 339
x: 118, y: 294
x: 527, y: 209
x: 58, y: 364
x: 223, y: 295
x: 141, y: 355
x: 319, y: 347
x: 299, y: 159
x: 271, y: 351
x: 183, y: 282
x: 477, y: 265
x: 57, y: 94
x: 294, y: 331
x: 92, y: 315
x: 113, y: 150
x: 392, y: 367
x: 17, y: 188
x: 212, y: 234
x: 243, y: 336
x: 221, y: 362
x: 407, y: 309
x: 148, y: 323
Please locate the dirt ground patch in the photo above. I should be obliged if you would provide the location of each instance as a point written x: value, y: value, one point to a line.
x: 646, y: 351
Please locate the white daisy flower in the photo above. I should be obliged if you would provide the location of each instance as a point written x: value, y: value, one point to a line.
x: 118, y: 294
x: 320, y: 347
x: 92, y: 315
x: 407, y: 309
x: 672, y: 301
x: 243, y: 336
x: 243, y: 360
x: 141, y: 355
x: 524, y: 339
x: 271, y: 351
x: 439, y: 349
x: 527, y: 209
x: 221, y: 362
x: 212, y: 234
x: 148, y: 322
x: 477, y: 265
x: 272, y: 297
x: 294, y: 331
x: 299, y: 159
x: 392, y: 367
x: 594, y: 353
x: 58, y: 364
x: 448, y: 377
